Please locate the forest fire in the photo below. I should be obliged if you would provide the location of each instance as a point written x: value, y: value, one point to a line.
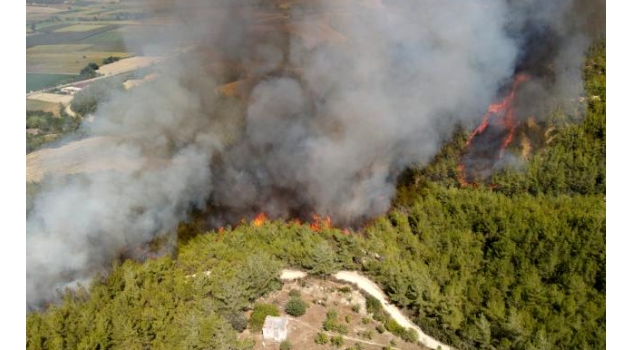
x: 320, y: 222
x: 317, y: 222
x: 260, y: 219
x: 487, y: 142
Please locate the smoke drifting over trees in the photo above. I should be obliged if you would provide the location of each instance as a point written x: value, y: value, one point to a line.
x: 338, y: 98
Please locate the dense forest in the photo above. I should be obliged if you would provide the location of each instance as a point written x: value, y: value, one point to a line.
x: 517, y: 263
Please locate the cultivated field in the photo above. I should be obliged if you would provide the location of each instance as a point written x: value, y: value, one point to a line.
x: 66, y: 63
x: 37, y: 81
x: 127, y: 65
x: 84, y: 156
x: 38, y: 105
x: 79, y: 28
x: 53, y: 98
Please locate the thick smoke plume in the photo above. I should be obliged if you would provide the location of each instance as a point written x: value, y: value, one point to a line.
x: 332, y: 100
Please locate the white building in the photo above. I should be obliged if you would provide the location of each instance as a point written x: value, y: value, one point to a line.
x: 275, y: 328
x: 70, y: 90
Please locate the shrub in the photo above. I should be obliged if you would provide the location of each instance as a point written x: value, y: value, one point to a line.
x: 380, y: 316
x: 337, y: 341
x: 380, y: 328
x: 110, y: 59
x: 348, y: 318
x: 392, y: 326
x: 260, y: 312
x: 410, y: 335
x: 366, y: 335
x: 373, y: 305
x: 329, y: 324
x: 366, y: 320
x: 286, y: 345
x: 332, y: 314
x: 342, y: 329
x: 295, y: 293
x: 321, y: 338
x: 237, y: 320
x: 355, y: 308
x: 345, y: 290
x: 295, y: 307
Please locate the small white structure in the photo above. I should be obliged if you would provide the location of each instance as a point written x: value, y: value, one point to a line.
x: 70, y: 90
x: 275, y: 328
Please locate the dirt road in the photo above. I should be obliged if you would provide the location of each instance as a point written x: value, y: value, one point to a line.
x: 289, y: 275
x: 370, y: 287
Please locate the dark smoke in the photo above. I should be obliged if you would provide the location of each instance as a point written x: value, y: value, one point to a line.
x: 335, y: 100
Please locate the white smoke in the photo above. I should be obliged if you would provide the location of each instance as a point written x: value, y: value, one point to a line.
x: 341, y: 98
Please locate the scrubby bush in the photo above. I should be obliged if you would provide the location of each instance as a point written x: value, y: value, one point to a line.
x: 295, y: 307
x: 392, y: 326
x: 410, y: 335
x: 344, y: 290
x: 337, y: 341
x: 366, y: 335
x: 260, y: 312
x: 237, y: 320
x: 286, y: 345
x: 321, y: 338
x: 373, y: 305
x: 295, y: 293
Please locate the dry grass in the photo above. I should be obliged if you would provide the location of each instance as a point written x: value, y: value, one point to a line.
x: 37, y: 105
x: 53, y: 98
x: 84, y: 156
x: 36, y: 10
x: 41, y: 13
x: 127, y: 65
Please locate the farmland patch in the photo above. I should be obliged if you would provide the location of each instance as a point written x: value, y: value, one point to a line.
x: 37, y: 81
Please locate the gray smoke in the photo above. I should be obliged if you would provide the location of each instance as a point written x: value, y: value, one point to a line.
x: 335, y: 100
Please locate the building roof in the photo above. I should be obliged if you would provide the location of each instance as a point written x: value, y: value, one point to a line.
x: 275, y: 323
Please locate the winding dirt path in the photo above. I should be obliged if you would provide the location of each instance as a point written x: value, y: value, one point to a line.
x: 370, y: 287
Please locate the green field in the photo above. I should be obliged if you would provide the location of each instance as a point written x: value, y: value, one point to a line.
x: 79, y: 28
x: 37, y: 81
x: 64, y: 48
x: 108, y: 41
x: 66, y: 63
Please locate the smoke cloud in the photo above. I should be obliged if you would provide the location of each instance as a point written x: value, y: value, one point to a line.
x: 332, y: 100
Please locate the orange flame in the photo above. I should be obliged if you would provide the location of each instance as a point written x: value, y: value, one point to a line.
x: 260, y: 219
x: 504, y: 106
x: 320, y: 222
x: 221, y: 232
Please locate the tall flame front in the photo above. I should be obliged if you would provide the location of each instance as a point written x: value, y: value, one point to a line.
x: 504, y: 113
